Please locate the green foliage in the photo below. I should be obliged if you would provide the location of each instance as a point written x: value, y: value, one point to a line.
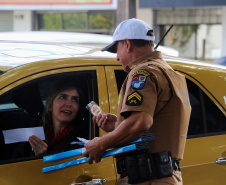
x: 185, y: 33
x: 101, y: 21
x: 74, y: 21
x: 179, y: 36
x: 51, y: 21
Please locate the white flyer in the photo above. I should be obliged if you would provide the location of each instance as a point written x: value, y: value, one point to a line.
x: 22, y: 134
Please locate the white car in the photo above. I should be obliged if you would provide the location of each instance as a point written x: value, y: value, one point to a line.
x: 69, y: 38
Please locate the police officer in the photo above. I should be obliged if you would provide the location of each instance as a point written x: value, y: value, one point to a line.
x: 153, y: 98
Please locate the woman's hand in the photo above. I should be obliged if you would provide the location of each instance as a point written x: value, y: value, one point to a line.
x: 106, y: 121
x: 39, y: 146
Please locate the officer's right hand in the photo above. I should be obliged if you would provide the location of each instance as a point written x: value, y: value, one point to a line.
x: 106, y: 121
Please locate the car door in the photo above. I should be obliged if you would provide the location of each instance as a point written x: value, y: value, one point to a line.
x: 115, y: 77
x: 206, y: 141
x: 206, y: 133
x: 28, y: 170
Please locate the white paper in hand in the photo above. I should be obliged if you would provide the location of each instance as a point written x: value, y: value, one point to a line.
x: 22, y: 134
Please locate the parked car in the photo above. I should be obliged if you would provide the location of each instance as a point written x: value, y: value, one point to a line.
x: 221, y: 61
x: 30, y: 68
x: 69, y: 38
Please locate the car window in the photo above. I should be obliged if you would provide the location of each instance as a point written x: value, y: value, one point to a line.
x: 120, y: 76
x: 206, y: 118
x: 22, y: 107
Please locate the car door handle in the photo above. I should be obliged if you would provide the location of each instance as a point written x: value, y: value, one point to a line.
x: 92, y: 182
x: 221, y: 160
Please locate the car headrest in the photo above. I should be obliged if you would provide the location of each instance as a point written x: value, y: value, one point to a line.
x: 29, y: 99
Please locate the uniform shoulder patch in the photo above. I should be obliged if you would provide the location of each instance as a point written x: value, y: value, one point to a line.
x: 138, y: 81
x: 139, y: 78
x: 141, y: 72
x: 134, y: 99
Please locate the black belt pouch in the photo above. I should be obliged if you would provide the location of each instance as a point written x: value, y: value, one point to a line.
x: 139, y: 168
x: 163, y: 164
x: 132, y: 169
x: 145, y: 168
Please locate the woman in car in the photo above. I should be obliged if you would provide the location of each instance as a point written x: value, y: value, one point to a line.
x: 62, y: 119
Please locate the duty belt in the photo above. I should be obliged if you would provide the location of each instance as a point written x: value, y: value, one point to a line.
x: 121, y: 167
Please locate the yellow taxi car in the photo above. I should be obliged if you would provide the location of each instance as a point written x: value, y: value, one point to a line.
x: 28, y: 69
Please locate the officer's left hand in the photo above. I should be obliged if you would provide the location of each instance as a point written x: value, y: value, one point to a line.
x: 94, y: 150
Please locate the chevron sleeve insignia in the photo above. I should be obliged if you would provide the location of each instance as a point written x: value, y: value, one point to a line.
x: 134, y: 99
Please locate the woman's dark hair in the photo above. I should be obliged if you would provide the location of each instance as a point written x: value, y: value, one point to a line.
x: 58, y: 87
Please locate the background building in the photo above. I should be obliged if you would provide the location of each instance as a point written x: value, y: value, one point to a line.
x: 199, y: 30
x: 96, y: 16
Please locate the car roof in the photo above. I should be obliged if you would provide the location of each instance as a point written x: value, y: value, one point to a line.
x: 16, y: 53
x: 57, y: 37
x: 19, y: 48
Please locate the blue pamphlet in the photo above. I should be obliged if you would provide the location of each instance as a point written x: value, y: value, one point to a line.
x: 63, y: 155
x: 85, y: 159
x: 138, y: 144
x: 75, y: 152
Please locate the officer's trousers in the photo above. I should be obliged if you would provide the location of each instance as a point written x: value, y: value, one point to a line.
x: 176, y: 179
